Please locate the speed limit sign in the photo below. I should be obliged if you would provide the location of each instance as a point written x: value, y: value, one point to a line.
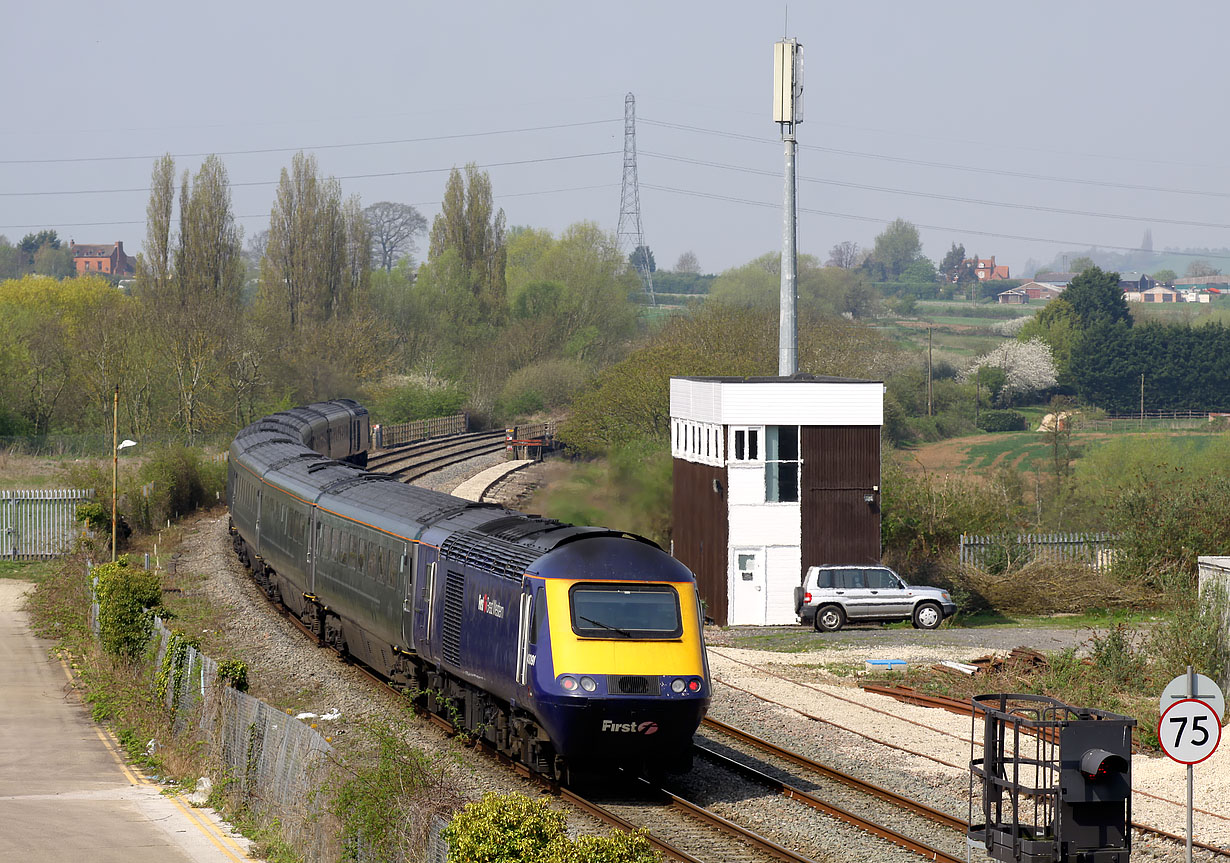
x: 1189, y: 731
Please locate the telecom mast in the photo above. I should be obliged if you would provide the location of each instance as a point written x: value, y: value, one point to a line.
x: 787, y: 113
x: 630, y: 231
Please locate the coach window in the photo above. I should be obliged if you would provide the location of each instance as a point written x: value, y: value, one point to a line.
x: 781, y: 464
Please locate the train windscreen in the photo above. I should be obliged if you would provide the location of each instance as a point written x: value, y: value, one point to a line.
x: 625, y: 611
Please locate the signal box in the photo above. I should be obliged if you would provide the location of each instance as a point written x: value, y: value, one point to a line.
x: 1054, y: 782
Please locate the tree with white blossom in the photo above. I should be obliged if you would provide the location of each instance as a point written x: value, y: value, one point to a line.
x: 1028, y: 367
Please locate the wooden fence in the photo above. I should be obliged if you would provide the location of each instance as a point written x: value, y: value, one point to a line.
x: 1007, y: 551
x: 40, y: 523
x: 387, y: 436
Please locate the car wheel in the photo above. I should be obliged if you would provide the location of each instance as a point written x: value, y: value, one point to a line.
x: 830, y: 618
x: 927, y: 616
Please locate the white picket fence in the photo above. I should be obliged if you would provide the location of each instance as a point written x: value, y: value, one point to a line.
x: 1093, y: 549
x: 36, y: 524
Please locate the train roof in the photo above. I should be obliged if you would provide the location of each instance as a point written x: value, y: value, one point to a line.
x: 484, y: 536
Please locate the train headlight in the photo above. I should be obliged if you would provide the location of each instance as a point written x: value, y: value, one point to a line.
x: 588, y: 684
x: 677, y: 685
x: 569, y: 684
x: 694, y: 685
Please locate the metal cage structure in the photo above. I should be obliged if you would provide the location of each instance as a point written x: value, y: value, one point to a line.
x: 1053, y: 783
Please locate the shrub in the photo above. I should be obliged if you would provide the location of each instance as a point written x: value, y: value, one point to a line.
x: 387, y: 803
x: 416, y: 401
x: 547, y: 385
x: 176, y: 481
x: 1001, y: 421
x: 512, y: 828
x: 128, y: 599
x: 503, y: 828
x: 95, y: 516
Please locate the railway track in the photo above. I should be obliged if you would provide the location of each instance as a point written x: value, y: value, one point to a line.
x: 964, y: 708
x: 878, y: 811
x: 410, y: 462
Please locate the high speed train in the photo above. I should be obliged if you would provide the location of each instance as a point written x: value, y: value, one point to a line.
x: 567, y: 648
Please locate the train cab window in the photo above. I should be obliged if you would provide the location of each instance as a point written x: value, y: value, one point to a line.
x: 647, y: 611
x: 540, y: 616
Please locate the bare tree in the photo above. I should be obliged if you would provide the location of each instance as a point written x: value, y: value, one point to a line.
x: 687, y: 263
x: 845, y: 255
x: 393, y: 228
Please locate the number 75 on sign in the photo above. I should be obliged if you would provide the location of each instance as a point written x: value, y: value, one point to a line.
x: 1189, y: 731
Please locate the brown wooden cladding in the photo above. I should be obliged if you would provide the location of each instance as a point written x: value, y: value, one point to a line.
x: 701, y: 530
x: 841, y: 464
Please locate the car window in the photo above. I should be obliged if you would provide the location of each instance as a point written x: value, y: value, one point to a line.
x: 882, y: 579
x: 824, y: 579
x: 853, y: 579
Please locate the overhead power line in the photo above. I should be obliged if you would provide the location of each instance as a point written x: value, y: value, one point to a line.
x: 949, y: 166
x: 343, y: 177
x: 882, y: 221
x: 423, y: 140
x: 498, y: 197
x: 943, y: 197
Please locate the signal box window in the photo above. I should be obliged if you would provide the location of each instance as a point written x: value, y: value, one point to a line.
x: 781, y: 469
x: 746, y: 444
x: 649, y: 611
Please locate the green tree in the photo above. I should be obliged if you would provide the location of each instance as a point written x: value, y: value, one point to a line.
x: 10, y: 259
x: 194, y: 313
x: 641, y: 259
x: 895, y: 248
x: 1165, y: 277
x: 953, y: 266
x: 1095, y: 299
x: 54, y: 261
x: 154, y: 263
x: 471, y: 227
x: 318, y: 255
x: 1082, y: 263
x: 1059, y: 326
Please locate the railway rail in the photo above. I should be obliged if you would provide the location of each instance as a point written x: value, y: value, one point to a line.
x: 412, y: 461
x: 680, y: 828
x: 911, y: 696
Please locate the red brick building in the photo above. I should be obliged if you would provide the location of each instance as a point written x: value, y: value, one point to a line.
x: 109, y: 259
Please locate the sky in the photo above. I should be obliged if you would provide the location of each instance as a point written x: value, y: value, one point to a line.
x: 1021, y: 131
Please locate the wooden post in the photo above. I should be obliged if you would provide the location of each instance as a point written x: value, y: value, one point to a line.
x: 115, y: 462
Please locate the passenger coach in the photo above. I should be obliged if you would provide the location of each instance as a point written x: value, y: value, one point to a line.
x: 565, y: 647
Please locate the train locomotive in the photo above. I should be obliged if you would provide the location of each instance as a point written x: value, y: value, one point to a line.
x: 570, y: 649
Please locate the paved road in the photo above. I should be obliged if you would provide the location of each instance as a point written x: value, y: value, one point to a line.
x: 65, y: 793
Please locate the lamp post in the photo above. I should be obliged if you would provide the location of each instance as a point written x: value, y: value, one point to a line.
x: 115, y: 461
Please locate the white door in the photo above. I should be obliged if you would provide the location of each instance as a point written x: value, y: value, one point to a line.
x: 748, y: 593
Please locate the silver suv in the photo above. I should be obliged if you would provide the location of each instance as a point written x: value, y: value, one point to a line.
x: 831, y: 596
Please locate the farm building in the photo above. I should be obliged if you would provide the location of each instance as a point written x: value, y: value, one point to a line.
x: 772, y: 475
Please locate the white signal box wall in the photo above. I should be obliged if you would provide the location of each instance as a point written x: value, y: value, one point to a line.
x: 772, y: 475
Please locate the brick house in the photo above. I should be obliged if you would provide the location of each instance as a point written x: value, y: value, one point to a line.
x: 108, y: 259
x: 986, y: 269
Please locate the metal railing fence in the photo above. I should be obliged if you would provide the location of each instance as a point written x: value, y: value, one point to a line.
x: 270, y: 762
x: 36, y: 524
x: 1009, y: 551
x: 386, y: 436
